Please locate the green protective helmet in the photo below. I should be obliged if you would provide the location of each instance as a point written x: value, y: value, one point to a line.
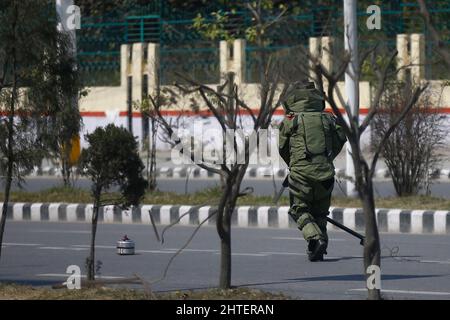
x: 304, y: 97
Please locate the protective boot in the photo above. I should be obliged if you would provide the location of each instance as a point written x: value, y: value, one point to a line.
x: 316, y: 250
x: 322, y: 223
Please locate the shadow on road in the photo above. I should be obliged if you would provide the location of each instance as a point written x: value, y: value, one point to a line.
x: 403, y: 258
x: 345, y: 277
x: 361, y: 277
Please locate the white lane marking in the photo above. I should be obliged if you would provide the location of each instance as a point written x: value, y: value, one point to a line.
x: 196, y: 250
x: 171, y: 250
x: 284, y: 253
x: 62, y: 248
x: 432, y: 293
x: 60, y: 231
x: 346, y: 257
x: 147, y: 251
x: 155, y: 251
x: 97, y: 246
x: 435, y: 261
x: 248, y: 254
x: 301, y: 239
x: 65, y: 275
x: 22, y: 244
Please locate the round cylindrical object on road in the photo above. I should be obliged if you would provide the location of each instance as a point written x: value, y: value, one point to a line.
x: 125, y: 248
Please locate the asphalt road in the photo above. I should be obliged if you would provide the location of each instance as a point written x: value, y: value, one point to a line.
x: 268, y: 259
x: 383, y: 188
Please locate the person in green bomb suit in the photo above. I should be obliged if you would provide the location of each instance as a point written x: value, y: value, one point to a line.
x: 309, y: 141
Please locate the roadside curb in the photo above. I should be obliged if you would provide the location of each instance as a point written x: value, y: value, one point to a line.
x: 269, y: 173
x: 389, y: 220
x: 186, y: 172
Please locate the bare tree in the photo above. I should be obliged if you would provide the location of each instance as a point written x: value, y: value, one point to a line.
x: 364, y: 169
x: 412, y: 151
x: 226, y: 106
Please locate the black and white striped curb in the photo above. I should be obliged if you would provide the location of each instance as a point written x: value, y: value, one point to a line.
x: 199, y: 173
x: 389, y: 220
x: 252, y: 172
x: 269, y: 172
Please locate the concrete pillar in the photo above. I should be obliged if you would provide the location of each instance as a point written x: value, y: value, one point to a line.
x: 417, y: 57
x: 134, y: 64
x: 327, y: 53
x: 233, y: 59
x: 137, y: 70
x: 314, y: 51
x: 125, y: 64
x: 403, y: 55
x: 321, y: 49
x: 239, y: 60
x: 411, y: 51
x: 225, y: 57
x: 153, y: 60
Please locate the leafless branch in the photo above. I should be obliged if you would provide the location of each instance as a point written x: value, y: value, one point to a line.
x: 382, y: 76
x: 415, y: 97
x: 441, y: 48
x: 244, y: 106
x: 181, y: 217
x: 167, y: 127
x: 332, y: 82
x: 164, y: 275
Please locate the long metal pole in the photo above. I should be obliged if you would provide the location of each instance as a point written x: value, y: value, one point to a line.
x: 62, y: 8
x: 351, y: 82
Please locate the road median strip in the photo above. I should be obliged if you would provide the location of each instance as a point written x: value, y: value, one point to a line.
x: 389, y: 220
x: 190, y: 172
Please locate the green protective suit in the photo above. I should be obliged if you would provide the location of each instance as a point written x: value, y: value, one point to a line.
x: 309, y: 141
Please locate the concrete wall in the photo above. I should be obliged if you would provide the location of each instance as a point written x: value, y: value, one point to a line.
x: 103, y: 99
x: 105, y: 105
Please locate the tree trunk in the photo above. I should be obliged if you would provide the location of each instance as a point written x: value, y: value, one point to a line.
x: 223, y: 225
x: 10, y: 151
x: 372, y: 253
x: 225, y: 251
x: 226, y: 209
x: 152, y: 170
x: 66, y: 170
x: 364, y: 186
x: 5, y: 205
x: 91, y: 259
